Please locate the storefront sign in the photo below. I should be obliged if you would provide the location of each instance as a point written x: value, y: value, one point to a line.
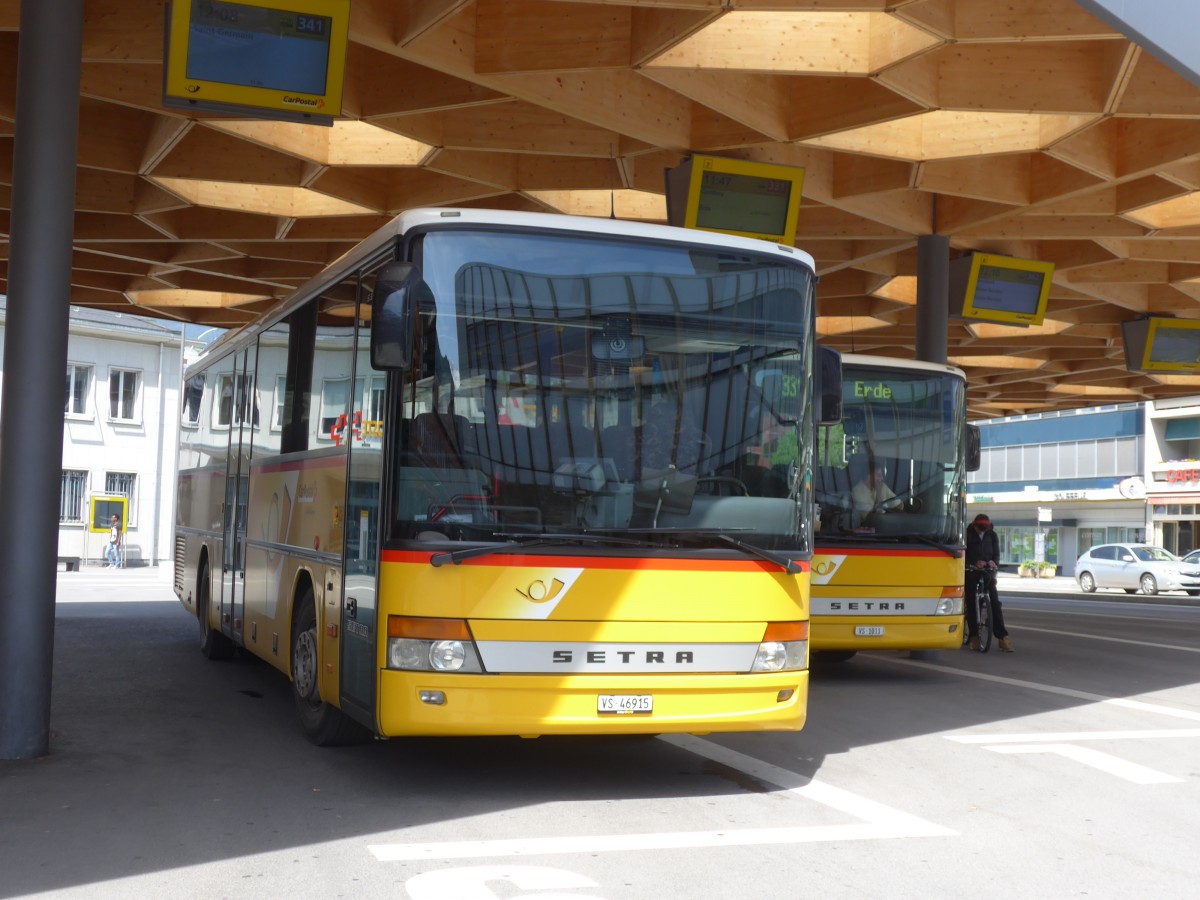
x: 1176, y: 476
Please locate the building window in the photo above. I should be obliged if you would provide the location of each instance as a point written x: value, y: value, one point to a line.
x: 1113, y: 534
x: 123, y: 394
x: 280, y: 399
x: 79, y: 380
x: 237, y: 401
x: 335, y: 403
x: 74, y: 493
x: 122, y: 484
x: 193, y: 391
x: 1018, y: 544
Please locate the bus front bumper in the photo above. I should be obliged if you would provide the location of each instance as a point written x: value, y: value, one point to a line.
x: 940, y: 633
x: 533, y: 705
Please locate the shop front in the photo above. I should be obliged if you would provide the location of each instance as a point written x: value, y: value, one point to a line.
x: 1056, y: 526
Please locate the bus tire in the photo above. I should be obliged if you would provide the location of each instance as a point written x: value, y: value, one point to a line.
x: 323, y: 724
x: 213, y: 644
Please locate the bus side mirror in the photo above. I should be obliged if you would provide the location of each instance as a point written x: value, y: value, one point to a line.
x: 827, y: 381
x: 393, y: 316
x: 974, y: 447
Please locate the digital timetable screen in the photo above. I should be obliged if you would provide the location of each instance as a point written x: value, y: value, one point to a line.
x: 735, y: 196
x: 743, y: 203
x: 1162, y: 344
x: 1006, y: 290
x: 254, y: 46
x: 275, y: 59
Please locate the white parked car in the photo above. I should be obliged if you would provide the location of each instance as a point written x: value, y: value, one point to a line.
x: 1134, y: 567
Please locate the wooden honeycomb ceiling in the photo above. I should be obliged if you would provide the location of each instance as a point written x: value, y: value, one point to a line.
x: 1023, y: 127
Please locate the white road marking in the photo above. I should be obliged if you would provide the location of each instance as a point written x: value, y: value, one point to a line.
x: 470, y: 883
x: 1138, y: 705
x: 860, y: 807
x: 1114, y: 640
x: 877, y: 821
x: 1062, y: 736
x: 1094, y: 758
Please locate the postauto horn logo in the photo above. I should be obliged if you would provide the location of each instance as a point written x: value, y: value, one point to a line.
x: 539, y: 592
x: 825, y: 567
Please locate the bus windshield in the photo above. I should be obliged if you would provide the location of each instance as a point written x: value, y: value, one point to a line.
x: 605, y: 385
x: 894, y: 466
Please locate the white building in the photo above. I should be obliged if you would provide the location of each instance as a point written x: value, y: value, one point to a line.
x: 120, y: 432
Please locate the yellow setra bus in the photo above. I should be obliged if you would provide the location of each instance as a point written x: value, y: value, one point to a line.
x: 890, y: 483
x: 492, y: 473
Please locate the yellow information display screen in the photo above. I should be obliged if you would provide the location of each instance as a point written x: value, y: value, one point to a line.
x: 274, y: 58
x: 736, y: 196
x: 102, y: 511
x: 1162, y: 344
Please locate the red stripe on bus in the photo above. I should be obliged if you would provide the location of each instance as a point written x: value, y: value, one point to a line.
x: 600, y: 562
x: 873, y: 551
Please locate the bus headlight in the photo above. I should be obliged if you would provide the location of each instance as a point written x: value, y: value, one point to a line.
x: 950, y: 606
x: 784, y: 648
x: 447, y: 656
x: 951, y: 601
x: 431, y: 645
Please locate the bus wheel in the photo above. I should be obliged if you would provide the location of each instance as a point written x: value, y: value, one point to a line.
x: 324, y: 725
x: 213, y: 644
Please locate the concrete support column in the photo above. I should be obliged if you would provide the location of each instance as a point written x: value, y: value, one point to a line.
x: 933, y: 296
x: 35, y: 364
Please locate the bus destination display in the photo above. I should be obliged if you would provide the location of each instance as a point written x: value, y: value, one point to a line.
x: 261, y: 47
x: 743, y: 203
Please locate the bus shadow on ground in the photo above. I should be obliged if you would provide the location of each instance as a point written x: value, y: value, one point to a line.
x: 161, y: 759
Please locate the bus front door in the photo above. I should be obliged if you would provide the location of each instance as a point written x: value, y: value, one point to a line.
x: 243, y: 418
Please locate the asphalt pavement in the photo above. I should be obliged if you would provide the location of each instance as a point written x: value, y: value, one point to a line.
x: 173, y: 776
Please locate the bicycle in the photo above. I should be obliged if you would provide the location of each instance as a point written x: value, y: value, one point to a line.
x: 983, y: 613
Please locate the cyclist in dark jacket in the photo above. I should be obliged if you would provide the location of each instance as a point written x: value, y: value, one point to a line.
x: 983, y: 558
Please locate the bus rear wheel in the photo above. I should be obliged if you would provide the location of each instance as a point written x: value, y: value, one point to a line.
x: 325, y: 725
x: 213, y: 644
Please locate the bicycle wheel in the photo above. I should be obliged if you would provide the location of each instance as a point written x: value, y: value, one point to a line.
x: 983, y: 612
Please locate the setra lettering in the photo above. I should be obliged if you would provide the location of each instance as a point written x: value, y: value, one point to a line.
x: 625, y: 657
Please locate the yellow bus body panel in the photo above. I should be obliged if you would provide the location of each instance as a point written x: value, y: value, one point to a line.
x: 897, y: 590
x: 580, y: 600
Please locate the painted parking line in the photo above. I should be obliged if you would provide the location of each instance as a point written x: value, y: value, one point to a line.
x: 876, y: 821
x: 1105, y: 762
x: 1064, y: 736
x: 1122, y: 702
x: 1056, y: 742
x: 1114, y: 640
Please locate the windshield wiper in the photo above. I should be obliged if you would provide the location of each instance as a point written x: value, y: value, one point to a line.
x: 523, y: 541
x: 952, y: 550
x: 722, y: 534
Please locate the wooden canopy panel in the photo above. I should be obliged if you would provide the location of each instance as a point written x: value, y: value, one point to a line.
x: 1027, y: 128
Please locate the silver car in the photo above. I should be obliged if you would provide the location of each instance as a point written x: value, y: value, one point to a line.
x: 1134, y: 567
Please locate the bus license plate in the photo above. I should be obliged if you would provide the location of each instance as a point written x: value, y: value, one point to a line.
x: 868, y: 630
x: 624, y: 704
